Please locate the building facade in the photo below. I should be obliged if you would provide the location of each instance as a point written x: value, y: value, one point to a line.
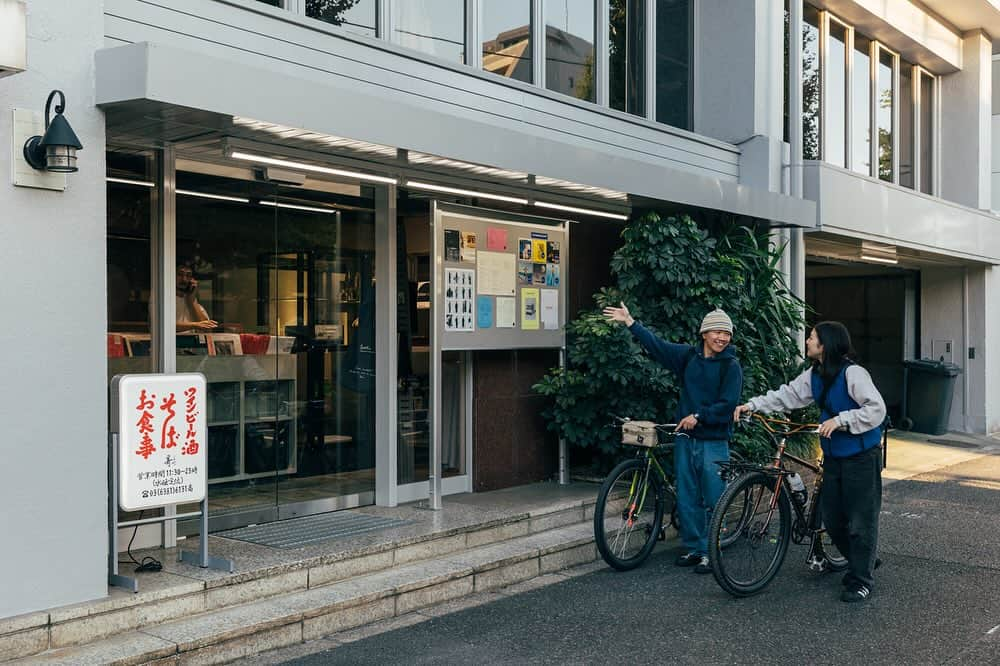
x: 263, y: 192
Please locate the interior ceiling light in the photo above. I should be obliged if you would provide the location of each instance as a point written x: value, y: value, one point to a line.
x: 881, y: 260
x: 311, y: 209
x: 206, y: 195
x: 129, y: 181
x: 469, y: 193
x: 582, y: 211
x: 249, y: 157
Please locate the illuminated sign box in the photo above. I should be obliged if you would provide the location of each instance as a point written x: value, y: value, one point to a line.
x: 13, y: 37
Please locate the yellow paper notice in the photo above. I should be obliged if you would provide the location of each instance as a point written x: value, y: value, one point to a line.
x: 538, y: 251
x: 529, y: 309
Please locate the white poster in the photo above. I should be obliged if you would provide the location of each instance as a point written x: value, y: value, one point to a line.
x: 161, y: 440
x: 506, y: 311
x: 550, y: 309
x: 497, y: 273
x: 459, y: 299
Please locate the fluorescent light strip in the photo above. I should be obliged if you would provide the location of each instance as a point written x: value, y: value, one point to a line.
x: 205, y: 195
x: 582, y: 211
x: 126, y: 181
x: 312, y: 167
x: 295, y: 207
x: 469, y: 193
x: 881, y: 260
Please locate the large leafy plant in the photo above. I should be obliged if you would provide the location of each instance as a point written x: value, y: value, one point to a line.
x: 670, y: 272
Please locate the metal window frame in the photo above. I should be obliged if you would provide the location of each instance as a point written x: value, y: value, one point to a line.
x: 879, y: 47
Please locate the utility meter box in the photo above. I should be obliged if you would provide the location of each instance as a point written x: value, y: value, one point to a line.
x: 13, y: 37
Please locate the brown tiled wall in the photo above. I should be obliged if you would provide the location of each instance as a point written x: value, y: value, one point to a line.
x: 511, y: 444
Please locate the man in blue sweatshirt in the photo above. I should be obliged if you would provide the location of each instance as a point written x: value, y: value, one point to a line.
x: 711, y: 382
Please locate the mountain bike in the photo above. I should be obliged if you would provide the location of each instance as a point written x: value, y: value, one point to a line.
x: 635, y: 496
x: 756, y: 517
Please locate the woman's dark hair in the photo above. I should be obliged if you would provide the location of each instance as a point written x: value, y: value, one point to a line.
x: 837, y: 350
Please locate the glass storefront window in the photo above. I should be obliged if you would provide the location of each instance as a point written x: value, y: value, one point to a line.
x: 276, y: 307
x: 357, y: 16
x: 884, y: 103
x: 627, y: 57
x: 927, y: 102
x: 835, y: 95
x: 673, y: 62
x: 906, y: 126
x: 436, y: 27
x: 505, y: 31
x: 131, y: 192
x: 861, y: 116
x: 570, y: 29
x: 810, y: 83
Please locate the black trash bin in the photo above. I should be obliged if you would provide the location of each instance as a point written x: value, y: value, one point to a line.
x: 928, y: 390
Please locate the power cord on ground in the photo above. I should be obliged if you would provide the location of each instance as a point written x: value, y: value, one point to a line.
x: 148, y: 563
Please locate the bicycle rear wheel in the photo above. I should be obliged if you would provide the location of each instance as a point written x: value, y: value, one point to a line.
x: 748, y: 539
x: 628, y: 514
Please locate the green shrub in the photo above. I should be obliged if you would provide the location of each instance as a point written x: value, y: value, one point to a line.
x: 669, y: 273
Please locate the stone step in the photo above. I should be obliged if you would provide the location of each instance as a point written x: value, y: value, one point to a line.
x: 181, y: 590
x: 286, y: 619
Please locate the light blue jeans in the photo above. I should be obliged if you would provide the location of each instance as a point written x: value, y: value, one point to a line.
x: 698, y: 487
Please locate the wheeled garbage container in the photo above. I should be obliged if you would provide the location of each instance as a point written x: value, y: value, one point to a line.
x: 929, y: 389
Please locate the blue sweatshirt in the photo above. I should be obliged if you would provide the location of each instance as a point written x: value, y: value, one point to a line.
x: 701, y: 392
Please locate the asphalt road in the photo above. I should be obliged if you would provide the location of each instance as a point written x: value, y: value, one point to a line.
x: 937, y: 601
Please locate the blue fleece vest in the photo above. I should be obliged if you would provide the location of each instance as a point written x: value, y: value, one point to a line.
x: 842, y: 444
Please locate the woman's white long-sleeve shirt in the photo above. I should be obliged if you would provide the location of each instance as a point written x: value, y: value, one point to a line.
x: 798, y: 393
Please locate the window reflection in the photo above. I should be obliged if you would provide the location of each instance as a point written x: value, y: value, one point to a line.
x: 884, y: 103
x: 835, y: 94
x: 861, y: 117
x: 356, y: 16
x: 906, y: 135
x: 570, y: 27
x: 810, y: 83
x: 673, y: 62
x: 505, y: 28
x: 436, y: 27
x: 627, y: 44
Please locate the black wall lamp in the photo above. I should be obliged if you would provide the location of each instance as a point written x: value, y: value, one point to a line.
x: 56, y: 150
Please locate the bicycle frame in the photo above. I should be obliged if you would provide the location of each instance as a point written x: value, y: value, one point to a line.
x: 808, y: 522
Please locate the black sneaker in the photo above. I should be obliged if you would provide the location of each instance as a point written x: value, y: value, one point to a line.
x: 855, y: 593
x: 703, y: 567
x: 688, y: 560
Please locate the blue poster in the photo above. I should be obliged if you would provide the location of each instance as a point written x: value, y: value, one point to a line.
x: 484, y: 311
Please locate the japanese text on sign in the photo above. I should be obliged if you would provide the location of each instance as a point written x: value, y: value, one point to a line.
x: 161, y: 431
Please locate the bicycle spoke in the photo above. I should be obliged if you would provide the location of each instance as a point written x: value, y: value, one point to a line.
x: 627, y: 516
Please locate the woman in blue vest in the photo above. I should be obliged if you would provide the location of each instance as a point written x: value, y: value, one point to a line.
x: 852, y: 411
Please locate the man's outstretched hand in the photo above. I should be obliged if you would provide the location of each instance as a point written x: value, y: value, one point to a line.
x: 619, y: 314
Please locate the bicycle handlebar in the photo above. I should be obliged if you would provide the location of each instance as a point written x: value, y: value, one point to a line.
x: 661, y: 426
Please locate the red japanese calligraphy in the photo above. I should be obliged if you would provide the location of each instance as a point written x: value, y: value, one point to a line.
x: 168, y: 434
x: 191, y: 445
x: 145, y: 424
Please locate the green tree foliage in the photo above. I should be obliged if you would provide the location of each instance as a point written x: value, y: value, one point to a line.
x: 669, y: 273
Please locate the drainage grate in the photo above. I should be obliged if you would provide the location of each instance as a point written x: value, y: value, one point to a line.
x: 297, y: 532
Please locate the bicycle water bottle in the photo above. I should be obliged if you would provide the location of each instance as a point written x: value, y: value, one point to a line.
x: 798, y: 489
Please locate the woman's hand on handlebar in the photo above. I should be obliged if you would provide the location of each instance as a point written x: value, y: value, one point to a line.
x: 741, y: 410
x: 827, y: 427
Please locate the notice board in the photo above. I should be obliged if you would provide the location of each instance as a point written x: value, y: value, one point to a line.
x: 499, y: 279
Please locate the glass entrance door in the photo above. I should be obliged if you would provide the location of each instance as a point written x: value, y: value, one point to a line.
x: 271, y: 298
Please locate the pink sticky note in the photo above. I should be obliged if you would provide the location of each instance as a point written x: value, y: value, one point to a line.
x: 496, y: 239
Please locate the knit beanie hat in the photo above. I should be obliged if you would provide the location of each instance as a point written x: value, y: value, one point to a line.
x: 717, y: 320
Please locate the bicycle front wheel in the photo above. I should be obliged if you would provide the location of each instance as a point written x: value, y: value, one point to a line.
x: 748, y: 538
x: 628, y: 514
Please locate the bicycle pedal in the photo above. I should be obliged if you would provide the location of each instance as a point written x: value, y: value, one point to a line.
x: 817, y: 564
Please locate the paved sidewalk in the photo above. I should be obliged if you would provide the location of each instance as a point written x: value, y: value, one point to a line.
x: 911, y: 453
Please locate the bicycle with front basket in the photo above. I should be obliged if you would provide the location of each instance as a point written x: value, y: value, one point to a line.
x: 636, y: 495
x: 756, y: 517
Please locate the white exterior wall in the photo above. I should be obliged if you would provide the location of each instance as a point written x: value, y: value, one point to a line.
x: 989, y: 350
x: 942, y: 316
x: 52, y: 345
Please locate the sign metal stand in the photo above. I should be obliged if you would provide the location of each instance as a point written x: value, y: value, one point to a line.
x: 201, y: 558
